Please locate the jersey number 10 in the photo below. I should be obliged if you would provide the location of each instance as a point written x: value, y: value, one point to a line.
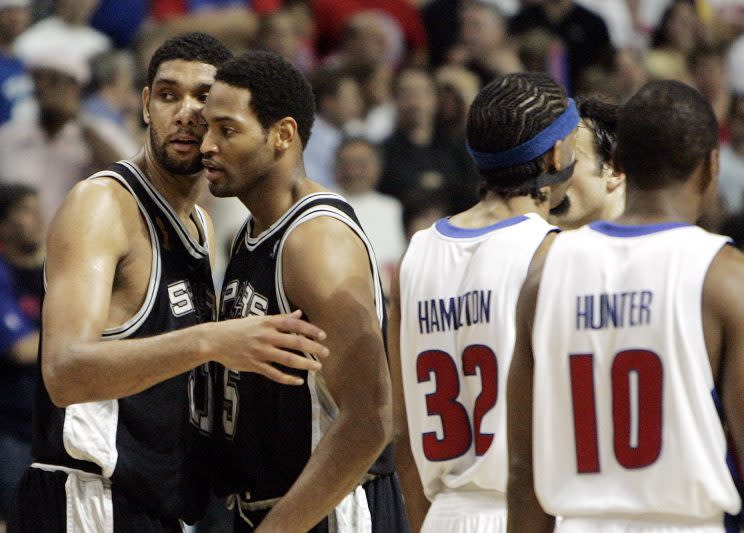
x: 637, y: 382
x: 457, y: 436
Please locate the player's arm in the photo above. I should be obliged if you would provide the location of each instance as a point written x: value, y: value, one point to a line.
x: 524, y: 510
x: 327, y: 274
x: 723, y: 300
x: 417, y: 505
x: 88, y: 240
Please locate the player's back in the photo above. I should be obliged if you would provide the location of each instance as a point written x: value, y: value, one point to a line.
x: 458, y: 291
x: 625, y: 419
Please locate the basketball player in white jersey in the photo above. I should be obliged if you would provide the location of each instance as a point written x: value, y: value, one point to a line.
x: 452, y: 332
x: 597, y: 190
x: 627, y: 371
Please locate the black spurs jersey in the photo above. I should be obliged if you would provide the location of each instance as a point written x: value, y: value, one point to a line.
x: 144, y: 443
x: 267, y: 430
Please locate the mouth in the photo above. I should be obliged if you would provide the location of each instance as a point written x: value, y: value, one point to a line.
x: 185, y: 143
x: 212, y: 170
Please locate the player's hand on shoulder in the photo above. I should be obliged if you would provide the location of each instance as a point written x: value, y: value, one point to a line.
x: 254, y: 343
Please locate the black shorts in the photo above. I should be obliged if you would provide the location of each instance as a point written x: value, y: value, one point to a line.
x: 50, y: 501
x: 384, y: 501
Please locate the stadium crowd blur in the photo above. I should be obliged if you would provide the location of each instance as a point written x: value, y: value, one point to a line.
x: 393, y: 80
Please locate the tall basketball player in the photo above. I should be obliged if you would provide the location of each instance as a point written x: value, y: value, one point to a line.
x: 311, y: 457
x: 128, y: 310
x: 452, y: 307
x: 627, y: 374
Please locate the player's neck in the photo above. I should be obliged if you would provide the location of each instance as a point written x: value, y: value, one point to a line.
x: 664, y: 205
x: 275, y: 194
x: 493, y: 208
x: 179, y: 191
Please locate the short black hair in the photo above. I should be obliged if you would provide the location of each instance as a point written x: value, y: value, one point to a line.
x: 507, y: 112
x: 600, y: 116
x: 277, y: 89
x: 194, y: 46
x: 664, y: 131
x: 11, y: 195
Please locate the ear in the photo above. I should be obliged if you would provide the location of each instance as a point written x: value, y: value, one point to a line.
x: 613, y: 179
x: 710, y: 170
x: 553, y: 157
x: 285, y: 132
x: 146, y: 105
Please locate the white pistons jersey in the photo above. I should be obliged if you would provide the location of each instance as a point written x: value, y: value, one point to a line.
x: 458, y: 291
x: 625, y: 423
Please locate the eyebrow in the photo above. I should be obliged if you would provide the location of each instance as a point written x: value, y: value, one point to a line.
x: 223, y: 118
x: 202, y: 87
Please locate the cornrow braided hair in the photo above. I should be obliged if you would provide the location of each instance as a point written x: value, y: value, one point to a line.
x: 507, y: 112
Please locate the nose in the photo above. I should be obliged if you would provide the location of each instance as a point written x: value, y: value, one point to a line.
x: 208, y: 146
x: 189, y: 114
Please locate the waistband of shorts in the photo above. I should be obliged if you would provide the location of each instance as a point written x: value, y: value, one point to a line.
x: 678, y: 523
x: 262, y: 505
x: 462, y: 499
x: 69, y: 471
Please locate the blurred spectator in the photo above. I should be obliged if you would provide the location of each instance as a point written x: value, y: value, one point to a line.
x: 630, y: 73
x: 584, y: 33
x: 121, y: 20
x: 731, y: 177
x: 419, y: 156
x: 21, y: 233
x: 332, y: 17
x: 279, y: 33
x: 483, y: 35
x: 370, y: 37
x: 15, y: 84
x: 708, y: 69
x: 56, y: 150
x: 338, y: 112
x: 618, y: 18
x: 358, y: 167
x: 67, y: 29
x: 442, y: 30
x: 375, y: 82
x: 457, y: 88
x: 678, y: 33
x: 232, y: 21
x: 598, y: 81
x: 735, y: 65
x: 112, y: 107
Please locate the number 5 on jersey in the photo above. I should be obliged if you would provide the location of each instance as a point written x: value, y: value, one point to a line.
x: 457, y: 435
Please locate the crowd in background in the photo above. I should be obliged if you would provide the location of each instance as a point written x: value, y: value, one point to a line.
x: 393, y: 80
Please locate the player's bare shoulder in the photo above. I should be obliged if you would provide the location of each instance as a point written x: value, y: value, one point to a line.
x: 722, y: 291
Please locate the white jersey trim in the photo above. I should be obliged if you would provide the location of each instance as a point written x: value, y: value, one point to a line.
x: 129, y: 327
x: 194, y: 248
x: 252, y: 242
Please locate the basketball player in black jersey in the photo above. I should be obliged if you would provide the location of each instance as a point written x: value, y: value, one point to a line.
x: 311, y: 457
x: 128, y: 312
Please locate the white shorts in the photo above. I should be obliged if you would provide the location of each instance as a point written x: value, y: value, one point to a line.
x: 466, y: 512
x: 632, y: 525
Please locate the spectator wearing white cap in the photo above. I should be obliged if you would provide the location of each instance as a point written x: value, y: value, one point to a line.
x: 52, y: 151
x: 16, y: 94
x: 67, y: 28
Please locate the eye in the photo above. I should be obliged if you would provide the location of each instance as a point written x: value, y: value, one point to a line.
x: 203, y: 98
x: 167, y: 96
x: 228, y: 131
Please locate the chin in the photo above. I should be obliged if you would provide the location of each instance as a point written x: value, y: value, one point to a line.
x: 219, y: 191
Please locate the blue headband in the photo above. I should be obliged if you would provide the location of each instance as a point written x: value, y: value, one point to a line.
x: 532, y: 148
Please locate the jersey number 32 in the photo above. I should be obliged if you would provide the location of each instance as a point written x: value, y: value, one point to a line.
x: 457, y: 432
